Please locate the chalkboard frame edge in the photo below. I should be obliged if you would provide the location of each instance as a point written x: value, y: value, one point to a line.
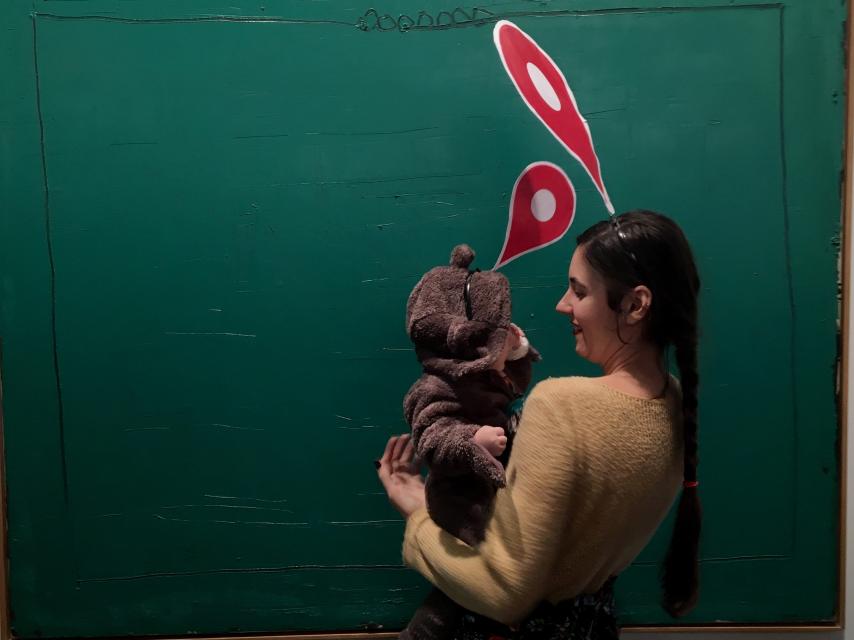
x: 843, y: 397
x: 388, y: 635
x: 5, y: 600
x: 845, y: 328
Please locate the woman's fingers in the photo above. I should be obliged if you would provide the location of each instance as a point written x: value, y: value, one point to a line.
x: 399, y: 446
x: 400, y: 477
x: 389, y: 448
x: 398, y: 463
x: 398, y: 455
x: 384, y: 468
x: 408, y: 458
x: 408, y: 452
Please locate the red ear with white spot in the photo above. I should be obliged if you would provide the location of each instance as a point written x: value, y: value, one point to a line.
x: 545, y: 90
x: 542, y: 207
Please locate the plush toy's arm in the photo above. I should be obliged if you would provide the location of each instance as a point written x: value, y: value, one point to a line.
x: 447, y: 444
x: 444, y: 441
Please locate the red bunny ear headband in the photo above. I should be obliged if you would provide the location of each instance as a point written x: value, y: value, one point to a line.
x: 542, y: 204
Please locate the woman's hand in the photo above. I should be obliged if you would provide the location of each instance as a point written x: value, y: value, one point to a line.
x: 399, y: 475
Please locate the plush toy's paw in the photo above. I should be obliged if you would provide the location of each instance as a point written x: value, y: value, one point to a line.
x: 492, y: 439
x: 497, y: 475
x: 487, y: 466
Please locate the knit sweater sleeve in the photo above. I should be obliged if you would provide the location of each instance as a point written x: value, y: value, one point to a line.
x: 503, y: 577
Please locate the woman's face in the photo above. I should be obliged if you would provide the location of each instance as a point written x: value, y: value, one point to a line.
x: 594, y: 323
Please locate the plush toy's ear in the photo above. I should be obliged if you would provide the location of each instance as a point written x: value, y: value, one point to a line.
x: 520, y: 371
x: 432, y: 330
x: 520, y: 351
x: 475, y: 339
x: 462, y: 256
x: 411, y: 302
x: 465, y: 336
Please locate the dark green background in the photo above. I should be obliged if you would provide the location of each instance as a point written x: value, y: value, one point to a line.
x: 212, y: 216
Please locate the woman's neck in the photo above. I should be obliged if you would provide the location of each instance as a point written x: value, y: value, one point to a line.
x: 638, y: 369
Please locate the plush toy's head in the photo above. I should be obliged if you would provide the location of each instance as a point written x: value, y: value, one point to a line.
x: 458, y: 319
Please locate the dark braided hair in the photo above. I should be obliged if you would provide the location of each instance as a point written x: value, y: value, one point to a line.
x: 647, y: 248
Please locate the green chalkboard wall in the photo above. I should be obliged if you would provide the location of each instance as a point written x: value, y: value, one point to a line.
x: 212, y: 215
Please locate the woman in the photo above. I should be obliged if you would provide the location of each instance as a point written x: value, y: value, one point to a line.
x: 596, y: 463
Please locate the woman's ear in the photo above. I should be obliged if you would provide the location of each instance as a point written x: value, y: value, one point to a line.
x: 636, y: 304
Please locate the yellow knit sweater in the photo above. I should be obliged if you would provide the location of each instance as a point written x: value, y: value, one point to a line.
x: 592, y: 475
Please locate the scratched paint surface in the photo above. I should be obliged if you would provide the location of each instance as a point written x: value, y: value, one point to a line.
x: 211, y: 219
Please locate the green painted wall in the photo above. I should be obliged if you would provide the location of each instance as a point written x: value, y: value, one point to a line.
x: 212, y: 216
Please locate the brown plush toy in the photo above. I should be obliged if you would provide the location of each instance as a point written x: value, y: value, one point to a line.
x: 475, y: 364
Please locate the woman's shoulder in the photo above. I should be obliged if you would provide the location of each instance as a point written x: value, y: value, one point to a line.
x: 593, y: 399
x: 563, y: 396
x: 598, y: 388
x: 565, y: 386
x: 569, y: 408
x: 588, y: 410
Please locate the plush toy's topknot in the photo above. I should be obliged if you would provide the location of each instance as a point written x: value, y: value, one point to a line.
x: 462, y: 256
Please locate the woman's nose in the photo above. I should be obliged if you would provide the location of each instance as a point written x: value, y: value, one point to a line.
x: 563, y: 306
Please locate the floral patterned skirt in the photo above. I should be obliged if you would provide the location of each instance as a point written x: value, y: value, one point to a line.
x: 586, y: 617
